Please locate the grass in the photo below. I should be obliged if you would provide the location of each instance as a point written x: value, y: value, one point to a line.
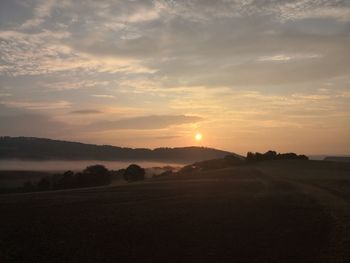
x: 268, y: 212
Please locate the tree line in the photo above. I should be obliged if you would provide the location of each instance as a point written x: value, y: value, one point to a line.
x: 272, y: 155
x: 94, y: 175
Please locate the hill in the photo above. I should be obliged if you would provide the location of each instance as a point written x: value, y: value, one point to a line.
x: 47, y: 149
x: 269, y: 211
x: 337, y: 158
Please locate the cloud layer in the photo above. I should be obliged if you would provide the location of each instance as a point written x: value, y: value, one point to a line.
x: 137, y: 72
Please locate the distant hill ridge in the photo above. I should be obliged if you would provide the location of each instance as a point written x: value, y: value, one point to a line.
x: 32, y: 148
x: 337, y: 158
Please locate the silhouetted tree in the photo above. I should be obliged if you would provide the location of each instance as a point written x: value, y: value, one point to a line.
x: 65, y: 180
x: 134, y: 173
x: 250, y: 157
x: 117, y: 174
x: 272, y: 155
x: 80, y: 180
x: 303, y: 157
x: 96, y: 175
x: 97, y: 169
x: 44, y: 183
x: 28, y: 186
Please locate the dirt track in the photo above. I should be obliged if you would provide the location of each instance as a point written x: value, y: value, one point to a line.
x: 244, y: 214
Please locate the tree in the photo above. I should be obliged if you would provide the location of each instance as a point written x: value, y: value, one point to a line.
x: 134, y: 173
x: 96, y: 175
x: 28, y: 186
x: 118, y: 174
x: 97, y: 169
x: 65, y: 180
x: 44, y: 183
x: 251, y: 157
x: 270, y: 155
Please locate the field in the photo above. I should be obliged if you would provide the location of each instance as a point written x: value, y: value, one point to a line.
x: 279, y: 211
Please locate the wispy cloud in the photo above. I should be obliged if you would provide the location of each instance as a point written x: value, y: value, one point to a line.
x: 5, y: 94
x: 314, y: 9
x: 86, y: 112
x: 73, y: 84
x: 103, y: 96
x: 22, y: 122
x: 38, y: 105
x: 40, y: 12
x: 146, y: 122
x: 288, y: 57
x: 45, y: 52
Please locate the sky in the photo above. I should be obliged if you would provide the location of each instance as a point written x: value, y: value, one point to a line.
x: 249, y: 75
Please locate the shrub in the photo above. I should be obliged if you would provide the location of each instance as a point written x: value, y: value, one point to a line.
x: 44, y: 183
x: 134, y: 173
x: 96, y: 175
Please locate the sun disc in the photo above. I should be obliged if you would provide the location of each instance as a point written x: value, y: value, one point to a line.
x: 198, y: 136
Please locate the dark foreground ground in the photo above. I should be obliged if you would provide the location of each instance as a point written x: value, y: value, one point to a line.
x: 283, y: 211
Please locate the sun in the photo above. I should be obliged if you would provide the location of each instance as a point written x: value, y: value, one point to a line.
x: 198, y: 136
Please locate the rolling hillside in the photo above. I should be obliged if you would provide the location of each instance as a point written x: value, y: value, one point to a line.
x: 46, y: 149
x: 275, y: 211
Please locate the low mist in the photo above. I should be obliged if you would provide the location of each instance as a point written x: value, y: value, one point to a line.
x: 60, y: 165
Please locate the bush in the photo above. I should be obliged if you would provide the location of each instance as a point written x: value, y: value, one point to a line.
x: 28, y: 186
x: 134, y: 173
x: 44, y: 183
x: 65, y: 180
x: 95, y: 175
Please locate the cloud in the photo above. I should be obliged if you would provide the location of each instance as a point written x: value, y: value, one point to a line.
x: 46, y: 53
x: 315, y: 9
x: 146, y: 122
x: 285, y: 57
x: 40, y: 12
x: 345, y: 94
x: 5, y: 94
x: 103, y: 96
x: 261, y: 63
x: 74, y: 84
x: 18, y: 122
x: 169, y: 137
x: 39, y: 105
x: 168, y: 38
x: 29, y: 125
x: 275, y: 58
x: 86, y: 112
